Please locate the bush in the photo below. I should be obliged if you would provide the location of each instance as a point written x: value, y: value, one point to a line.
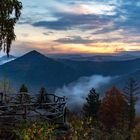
x: 35, y: 131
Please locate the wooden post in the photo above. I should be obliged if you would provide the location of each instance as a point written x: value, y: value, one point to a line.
x: 54, y: 99
x: 25, y: 112
x: 1, y: 97
x: 64, y: 115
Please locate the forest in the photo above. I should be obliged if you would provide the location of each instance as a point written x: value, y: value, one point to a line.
x: 108, y: 117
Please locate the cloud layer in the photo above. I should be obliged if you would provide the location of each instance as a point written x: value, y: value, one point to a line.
x: 87, y: 23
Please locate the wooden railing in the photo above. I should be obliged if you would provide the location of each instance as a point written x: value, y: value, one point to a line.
x: 54, y: 110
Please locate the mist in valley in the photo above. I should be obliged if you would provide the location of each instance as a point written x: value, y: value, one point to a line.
x: 77, y: 91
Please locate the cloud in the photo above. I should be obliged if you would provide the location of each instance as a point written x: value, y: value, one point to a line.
x: 64, y: 15
x: 100, y: 8
x: 74, y: 40
x: 128, y: 16
x: 47, y: 33
x: 69, y: 21
x: 76, y: 92
x: 85, y: 40
x: 25, y: 34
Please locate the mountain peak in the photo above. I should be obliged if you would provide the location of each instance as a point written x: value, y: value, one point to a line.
x: 34, y: 52
x: 34, y: 56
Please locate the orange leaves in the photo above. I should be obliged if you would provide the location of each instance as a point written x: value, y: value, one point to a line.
x: 113, y: 108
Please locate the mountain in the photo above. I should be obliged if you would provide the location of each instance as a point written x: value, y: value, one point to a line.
x: 96, y: 58
x: 5, y: 59
x: 107, y: 58
x: 35, y: 70
x: 111, y: 68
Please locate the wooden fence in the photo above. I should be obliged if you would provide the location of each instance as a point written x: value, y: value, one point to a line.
x: 29, y: 106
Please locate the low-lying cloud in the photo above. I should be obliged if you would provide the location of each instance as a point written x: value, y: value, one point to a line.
x: 77, y: 92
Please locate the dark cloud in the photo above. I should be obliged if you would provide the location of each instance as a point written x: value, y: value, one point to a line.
x: 80, y: 40
x: 105, y: 30
x: 108, y: 40
x: 74, y: 40
x: 129, y: 13
x: 47, y: 33
x: 69, y: 21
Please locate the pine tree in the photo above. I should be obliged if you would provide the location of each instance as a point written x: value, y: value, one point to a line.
x: 131, y: 91
x: 43, y: 96
x: 23, y: 88
x: 23, y: 96
x: 10, y: 11
x: 92, y: 105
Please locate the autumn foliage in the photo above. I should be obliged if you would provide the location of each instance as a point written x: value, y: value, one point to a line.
x: 113, y: 110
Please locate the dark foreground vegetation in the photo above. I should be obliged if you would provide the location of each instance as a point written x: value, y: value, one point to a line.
x: 112, y: 117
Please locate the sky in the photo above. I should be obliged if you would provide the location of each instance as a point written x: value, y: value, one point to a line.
x: 78, y: 27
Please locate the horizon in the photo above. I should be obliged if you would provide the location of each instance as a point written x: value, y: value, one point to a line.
x: 134, y: 54
x: 78, y: 27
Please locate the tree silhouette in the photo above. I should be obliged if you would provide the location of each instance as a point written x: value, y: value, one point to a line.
x: 131, y: 91
x: 43, y: 96
x: 113, y: 110
x: 10, y: 11
x: 92, y: 105
x: 23, y: 96
x: 23, y: 88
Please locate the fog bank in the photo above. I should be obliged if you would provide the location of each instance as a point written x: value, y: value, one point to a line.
x: 76, y: 92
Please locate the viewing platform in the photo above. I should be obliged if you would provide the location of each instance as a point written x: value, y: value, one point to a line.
x: 26, y: 106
